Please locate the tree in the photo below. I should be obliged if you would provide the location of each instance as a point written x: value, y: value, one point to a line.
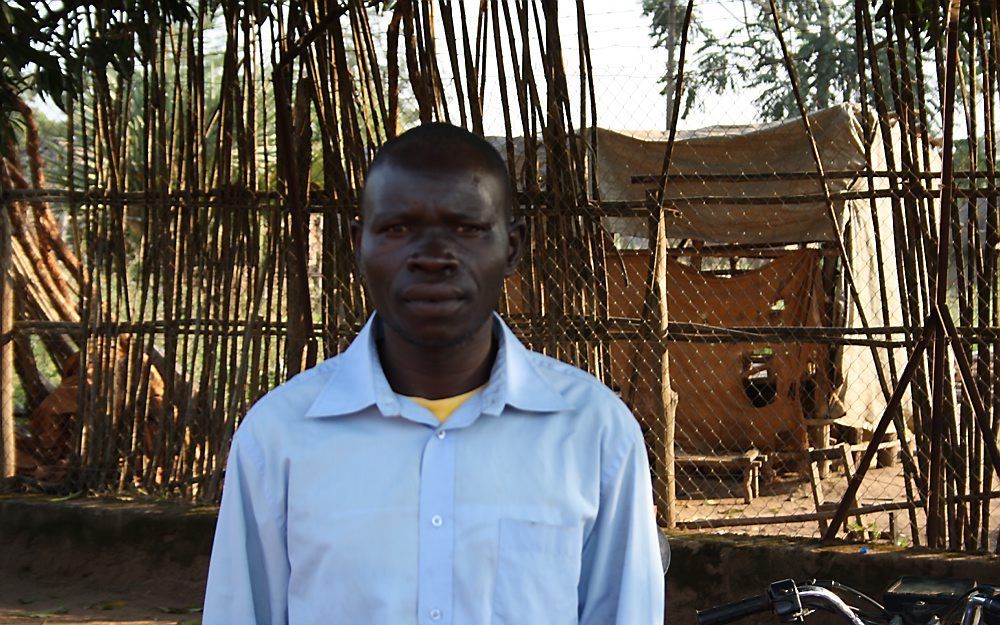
x: 819, y: 34
x: 666, y: 23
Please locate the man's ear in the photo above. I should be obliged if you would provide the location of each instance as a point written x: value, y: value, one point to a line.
x: 517, y: 234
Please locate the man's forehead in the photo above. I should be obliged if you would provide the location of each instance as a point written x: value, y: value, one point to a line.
x: 460, y: 163
x: 435, y: 180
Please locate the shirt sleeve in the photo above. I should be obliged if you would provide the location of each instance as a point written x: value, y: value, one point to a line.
x: 622, y: 579
x: 248, y: 573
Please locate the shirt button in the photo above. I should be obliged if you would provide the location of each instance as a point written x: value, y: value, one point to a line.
x: 436, y: 520
x: 435, y: 614
x: 441, y: 434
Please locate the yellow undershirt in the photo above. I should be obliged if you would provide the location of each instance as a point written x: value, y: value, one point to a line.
x: 443, y: 408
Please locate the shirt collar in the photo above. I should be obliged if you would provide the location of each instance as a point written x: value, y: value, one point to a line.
x: 515, y: 381
x: 358, y: 382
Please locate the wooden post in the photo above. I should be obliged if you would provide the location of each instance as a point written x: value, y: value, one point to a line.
x: 819, y: 438
x: 9, y: 449
x: 666, y: 491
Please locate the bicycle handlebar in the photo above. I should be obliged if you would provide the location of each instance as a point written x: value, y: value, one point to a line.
x: 991, y: 610
x: 729, y: 612
x: 990, y: 607
x: 791, y: 601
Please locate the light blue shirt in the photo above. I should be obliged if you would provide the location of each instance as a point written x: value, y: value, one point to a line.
x: 347, y: 504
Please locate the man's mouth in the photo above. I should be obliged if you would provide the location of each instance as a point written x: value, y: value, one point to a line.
x: 433, y: 299
x: 432, y: 293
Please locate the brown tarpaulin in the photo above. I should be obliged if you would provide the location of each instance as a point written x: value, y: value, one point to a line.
x: 779, y: 147
x: 715, y: 411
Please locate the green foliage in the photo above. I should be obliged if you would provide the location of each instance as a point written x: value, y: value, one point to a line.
x: 23, y: 64
x: 52, y: 134
x: 865, y: 532
x: 666, y: 21
x: 42, y: 56
x: 819, y: 35
x: 24, y: 61
x: 666, y: 24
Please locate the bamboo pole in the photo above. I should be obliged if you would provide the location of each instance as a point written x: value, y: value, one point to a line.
x: 862, y: 24
x: 827, y: 197
x: 880, y: 429
x: 992, y: 386
x: 935, y: 503
x: 299, y: 353
x: 917, y: 221
x: 965, y: 369
x: 8, y: 462
x: 846, y: 259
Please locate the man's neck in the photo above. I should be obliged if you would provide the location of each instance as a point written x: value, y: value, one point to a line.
x: 437, y: 372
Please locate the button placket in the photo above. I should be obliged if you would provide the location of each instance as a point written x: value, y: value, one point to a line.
x: 436, y: 529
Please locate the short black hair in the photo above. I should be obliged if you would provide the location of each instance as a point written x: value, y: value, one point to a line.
x: 447, y: 144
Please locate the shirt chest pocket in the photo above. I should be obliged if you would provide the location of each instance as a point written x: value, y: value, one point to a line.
x: 538, y: 572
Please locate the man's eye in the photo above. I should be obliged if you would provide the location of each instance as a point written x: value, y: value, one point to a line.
x: 471, y: 229
x: 395, y: 229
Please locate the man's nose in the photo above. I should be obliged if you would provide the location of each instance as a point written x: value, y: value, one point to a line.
x: 433, y: 253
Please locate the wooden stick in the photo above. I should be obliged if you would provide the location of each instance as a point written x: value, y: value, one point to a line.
x: 668, y: 398
x: 935, y: 520
x: 8, y: 448
x: 970, y: 387
x: 880, y: 429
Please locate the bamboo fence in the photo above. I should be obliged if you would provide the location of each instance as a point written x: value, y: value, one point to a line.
x: 205, y: 254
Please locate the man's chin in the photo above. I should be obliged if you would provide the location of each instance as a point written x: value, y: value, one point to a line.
x: 438, y: 338
x: 437, y: 333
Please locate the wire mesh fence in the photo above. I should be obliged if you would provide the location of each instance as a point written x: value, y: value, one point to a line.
x: 754, y: 293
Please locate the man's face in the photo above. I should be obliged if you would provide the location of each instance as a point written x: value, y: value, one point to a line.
x: 434, y: 248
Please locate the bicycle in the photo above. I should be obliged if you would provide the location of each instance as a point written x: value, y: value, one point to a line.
x: 910, y: 600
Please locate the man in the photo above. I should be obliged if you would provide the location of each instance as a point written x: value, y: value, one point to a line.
x: 437, y: 472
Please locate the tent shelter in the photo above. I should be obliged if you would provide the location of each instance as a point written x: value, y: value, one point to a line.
x: 753, y: 246
x: 751, y: 193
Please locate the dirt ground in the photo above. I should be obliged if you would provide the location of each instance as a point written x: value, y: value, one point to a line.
x: 720, y: 497
x: 55, y: 585
x: 33, y: 602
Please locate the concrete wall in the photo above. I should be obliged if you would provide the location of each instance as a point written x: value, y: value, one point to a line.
x: 172, y: 544
x: 707, y: 570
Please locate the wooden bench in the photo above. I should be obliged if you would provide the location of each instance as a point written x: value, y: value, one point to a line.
x: 747, y: 465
